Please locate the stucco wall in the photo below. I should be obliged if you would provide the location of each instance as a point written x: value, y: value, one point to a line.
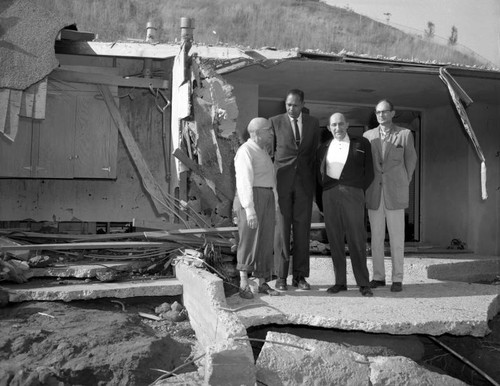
x: 451, y: 204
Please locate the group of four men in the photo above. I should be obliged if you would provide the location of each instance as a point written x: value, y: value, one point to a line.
x: 349, y: 171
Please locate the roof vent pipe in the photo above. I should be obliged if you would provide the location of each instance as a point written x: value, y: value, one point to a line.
x: 150, y: 32
x: 187, y: 27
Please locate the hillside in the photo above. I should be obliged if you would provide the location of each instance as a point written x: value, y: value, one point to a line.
x: 284, y: 24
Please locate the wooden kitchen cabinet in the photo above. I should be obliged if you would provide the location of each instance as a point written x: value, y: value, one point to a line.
x: 77, y: 138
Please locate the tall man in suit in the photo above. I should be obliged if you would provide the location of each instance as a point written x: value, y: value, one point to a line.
x: 394, y: 161
x: 345, y: 170
x: 296, y: 140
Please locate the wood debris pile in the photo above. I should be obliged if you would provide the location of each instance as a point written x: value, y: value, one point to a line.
x: 69, y: 259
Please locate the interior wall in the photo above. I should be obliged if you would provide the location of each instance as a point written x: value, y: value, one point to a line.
x: 451, y: 204
x: 247, y: 99
x: 119, y: 200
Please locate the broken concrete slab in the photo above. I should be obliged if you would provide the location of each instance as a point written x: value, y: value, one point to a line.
x: 217, y: 328
x: 124, y: 289
x: 410, y: 346
x: 289, y: 360
x: 83, y: 270
x: 403, y: 371
x: 426, y: 306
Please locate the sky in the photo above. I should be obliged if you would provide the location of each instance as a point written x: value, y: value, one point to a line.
x: 477, y: 21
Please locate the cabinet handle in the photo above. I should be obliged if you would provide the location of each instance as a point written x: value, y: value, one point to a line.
x: 108, y: 169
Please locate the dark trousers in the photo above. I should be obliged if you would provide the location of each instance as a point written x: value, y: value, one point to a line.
x: 296, y: 210
x: 344, y: 210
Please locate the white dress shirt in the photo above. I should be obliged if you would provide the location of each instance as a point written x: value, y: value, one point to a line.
x: 299, y: 124
x: 337, y: 157
x: 253, y: 167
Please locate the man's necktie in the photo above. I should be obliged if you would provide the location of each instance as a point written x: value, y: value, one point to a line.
x: 297, y: 132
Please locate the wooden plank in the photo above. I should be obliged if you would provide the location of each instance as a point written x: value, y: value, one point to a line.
x: 82, y: 36
x: 147, y: 225
x: 84, y: 245
x: 27, y: 102
x: 118, y: 49
x: 13, y: 116
x: 110, y: 80
x: 40, y: 101
x: 91, y: 69
x: 4, y: 105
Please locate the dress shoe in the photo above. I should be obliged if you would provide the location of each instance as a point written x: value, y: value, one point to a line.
x: 337, y: 288
x: 365, y: 291
x: 377, y: 283
x: 281, y: 285
x: 397, y: 286
x: 301, y: 283
x: 245, y: 293
x: 265, y: 289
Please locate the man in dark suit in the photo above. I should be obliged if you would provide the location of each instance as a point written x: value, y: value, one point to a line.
x: 296, y: 141
x: 345, y: 170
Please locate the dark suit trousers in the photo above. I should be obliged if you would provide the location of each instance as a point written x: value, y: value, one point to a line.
x: 343, y: 210
x: 296, y: 210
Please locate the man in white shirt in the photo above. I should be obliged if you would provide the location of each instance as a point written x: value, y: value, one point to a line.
x: 255, y: 206
x: 345, y: 171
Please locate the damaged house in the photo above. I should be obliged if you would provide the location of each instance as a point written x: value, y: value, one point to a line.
x: 143, y: 134
x: 108, y: 137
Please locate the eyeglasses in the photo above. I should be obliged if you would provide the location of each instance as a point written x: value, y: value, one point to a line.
x: 382, y: 112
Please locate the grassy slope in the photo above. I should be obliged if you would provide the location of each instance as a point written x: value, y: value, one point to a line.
x: 283, y: 24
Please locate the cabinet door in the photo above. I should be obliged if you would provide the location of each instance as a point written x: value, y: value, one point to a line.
x: 15, y: 157
x: 96, y: 137
x: 54, y: 136
x: 77, y: 138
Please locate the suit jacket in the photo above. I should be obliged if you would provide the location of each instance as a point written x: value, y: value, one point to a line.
x: 357, y: 171
x: 393, y: 171
x: 290, y: 160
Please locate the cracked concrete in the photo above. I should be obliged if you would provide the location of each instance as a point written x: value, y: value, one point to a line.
x: 289, y: 360
x: 426, y: 306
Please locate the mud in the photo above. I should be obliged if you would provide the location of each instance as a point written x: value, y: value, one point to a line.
x: 98, y: 342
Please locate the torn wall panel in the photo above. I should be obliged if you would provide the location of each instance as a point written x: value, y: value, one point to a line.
x: 213, y: 141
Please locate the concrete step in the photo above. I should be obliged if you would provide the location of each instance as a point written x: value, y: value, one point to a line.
x: 36, y: 291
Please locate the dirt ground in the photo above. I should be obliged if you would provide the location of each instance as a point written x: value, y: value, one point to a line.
x: 97, y: 342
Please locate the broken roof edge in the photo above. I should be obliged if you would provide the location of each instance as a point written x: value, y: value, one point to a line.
x: 266, y: 56
x: 134, y: 49
x: 350, y: 57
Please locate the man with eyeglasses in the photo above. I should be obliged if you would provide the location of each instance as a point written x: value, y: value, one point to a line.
x: 394, y: 161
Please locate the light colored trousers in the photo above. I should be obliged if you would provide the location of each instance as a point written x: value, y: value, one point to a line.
x: 395, y: 220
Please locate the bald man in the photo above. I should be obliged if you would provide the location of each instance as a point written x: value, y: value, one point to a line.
x: 345, y: 171
x: 255, y: 207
